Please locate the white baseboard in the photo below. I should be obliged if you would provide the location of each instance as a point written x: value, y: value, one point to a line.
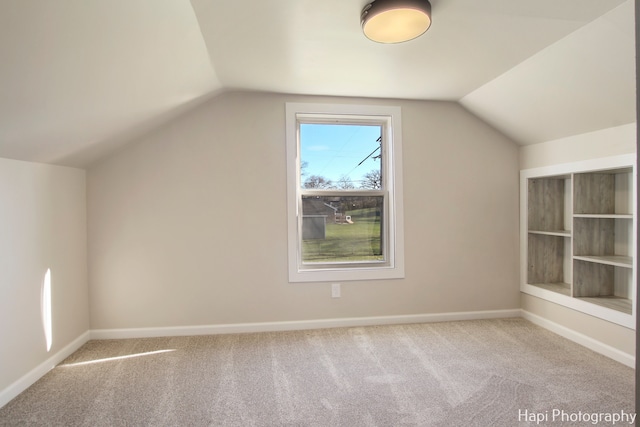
x: 39, y: 371
x: 577, y: 337
x: 298, y: 325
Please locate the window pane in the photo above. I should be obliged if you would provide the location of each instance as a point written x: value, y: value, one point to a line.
x: 342, y: 229
x: 340, y: 156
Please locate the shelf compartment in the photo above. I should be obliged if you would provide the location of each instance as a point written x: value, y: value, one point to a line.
x: 546, y: 204
x: 593, y: 236
x: 592, y: 279
x: 603, y: 240
x: 546, y: 261
x: 593, y: 193
x: 605, y: 192
x: 605, y: 285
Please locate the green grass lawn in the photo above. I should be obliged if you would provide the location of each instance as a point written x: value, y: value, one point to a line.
x: 359, y: 241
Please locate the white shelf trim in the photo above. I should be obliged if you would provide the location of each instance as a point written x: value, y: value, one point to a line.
x: 560, y: 233
x: 615, y: 260
x: 612, y: 216
x: 605, y: 313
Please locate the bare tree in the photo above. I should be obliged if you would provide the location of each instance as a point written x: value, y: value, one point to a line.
x: 318, y: 182
x: 303, y: 167
x: 372, y: 180
x: 345, y: 183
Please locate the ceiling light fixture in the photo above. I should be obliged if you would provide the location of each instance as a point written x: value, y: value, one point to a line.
x: 395, y: 21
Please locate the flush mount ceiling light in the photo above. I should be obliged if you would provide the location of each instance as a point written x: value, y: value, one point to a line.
x: 395, y: 21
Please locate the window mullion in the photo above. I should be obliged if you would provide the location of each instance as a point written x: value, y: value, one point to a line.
x: 341, y: 193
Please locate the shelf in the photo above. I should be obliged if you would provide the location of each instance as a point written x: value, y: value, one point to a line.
x: 578, y: 235
x: 559, y: 288
x: 622, y: 305
x: 611, y: 216
x: 560, y: 233
x: 615, y: 260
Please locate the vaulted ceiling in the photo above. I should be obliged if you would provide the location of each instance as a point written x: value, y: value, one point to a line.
x: 80, y: 78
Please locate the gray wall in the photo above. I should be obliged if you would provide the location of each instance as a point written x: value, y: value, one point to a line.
x: 188, y: 225
x: 42, y: 226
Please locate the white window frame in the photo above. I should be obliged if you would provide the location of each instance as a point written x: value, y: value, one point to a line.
x: 390, y: 118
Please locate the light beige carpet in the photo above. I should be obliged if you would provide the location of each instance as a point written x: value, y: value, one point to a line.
x: 476, y: 373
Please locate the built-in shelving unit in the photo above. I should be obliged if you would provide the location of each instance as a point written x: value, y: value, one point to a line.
x: 578, y: 236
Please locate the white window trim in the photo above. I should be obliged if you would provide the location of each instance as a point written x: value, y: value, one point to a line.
x: 394, y: 268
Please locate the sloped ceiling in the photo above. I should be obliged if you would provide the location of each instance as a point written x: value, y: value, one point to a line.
x: 80, y: 78
x: 582, y: 83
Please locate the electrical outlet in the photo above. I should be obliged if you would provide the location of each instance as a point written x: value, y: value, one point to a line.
x: 335, y: 290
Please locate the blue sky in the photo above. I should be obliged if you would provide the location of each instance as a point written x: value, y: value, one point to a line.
x: 335, y: 150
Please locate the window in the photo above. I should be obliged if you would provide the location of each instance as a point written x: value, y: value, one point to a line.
x: 344, y: 192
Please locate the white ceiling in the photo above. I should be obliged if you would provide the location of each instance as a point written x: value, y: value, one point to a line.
x: 80, y: 78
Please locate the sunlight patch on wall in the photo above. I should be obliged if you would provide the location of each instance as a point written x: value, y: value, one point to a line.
x: 45, y: 309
